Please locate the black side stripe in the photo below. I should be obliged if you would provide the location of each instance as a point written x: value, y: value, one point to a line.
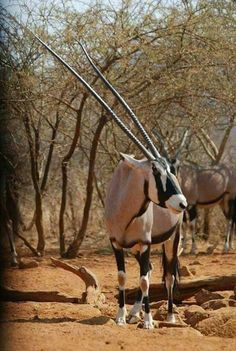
x: 144, y: 205
x: 212, y: 201
x: 164, y: 236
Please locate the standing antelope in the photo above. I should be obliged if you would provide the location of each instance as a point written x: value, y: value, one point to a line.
x: 208, y: 187
x: 137, y: 186
x: 204, y: 187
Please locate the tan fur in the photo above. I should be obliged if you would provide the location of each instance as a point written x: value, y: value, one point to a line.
x: 124, y: 198
x: 206, y: 185
x: 143, y: 284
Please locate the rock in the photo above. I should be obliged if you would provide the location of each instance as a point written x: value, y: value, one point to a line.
x: 221, y: 323
x: 205, y: 295
x: 216, y: 304
x: 178, y: 324
x: 24, y: 263
x: 195, y: 314
x: 179, y: 332
x: 195, y: 262
x: 228, y: 329
x: 184, y: 271
x: 193, y: 271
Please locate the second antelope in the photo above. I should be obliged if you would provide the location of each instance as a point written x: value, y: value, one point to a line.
x: 205, y: 187
x: 137, y: 186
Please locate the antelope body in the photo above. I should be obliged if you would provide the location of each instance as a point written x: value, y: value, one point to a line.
x: 207, y: 187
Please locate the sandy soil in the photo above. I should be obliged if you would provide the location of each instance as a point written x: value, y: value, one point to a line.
x: 34, y: 326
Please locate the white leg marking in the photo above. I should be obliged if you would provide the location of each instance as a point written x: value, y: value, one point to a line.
x: 121, y: 316
x: 148, y: 321
x: 122, y: 313
x: 144, y: 285
x: 227, y: 238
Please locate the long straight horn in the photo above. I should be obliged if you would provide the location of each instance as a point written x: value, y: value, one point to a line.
x: 99, y: 99
x: 124, y: 103
x: 181, y: 144
x: 163, y: 145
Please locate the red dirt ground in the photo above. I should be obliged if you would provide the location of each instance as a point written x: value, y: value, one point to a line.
x: 35, y: 326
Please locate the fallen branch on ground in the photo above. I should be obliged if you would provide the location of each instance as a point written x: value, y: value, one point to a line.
x: 93, y: 293
x: 8, y: 294
x: 186, y: 289
x: 35, y: 252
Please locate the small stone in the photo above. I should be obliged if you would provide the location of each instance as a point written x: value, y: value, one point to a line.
x: 183, y: 332
x: 178, y: 324
x: 217, y: 304
x: 24, y: 264
x: 184, y: 271
x: 195, y: 314
x: 193, y: 271
x: 195, y: 262
x: 205, y: 295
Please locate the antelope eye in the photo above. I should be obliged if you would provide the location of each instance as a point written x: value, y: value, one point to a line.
x: 172, y: 169
x: 155, y: 171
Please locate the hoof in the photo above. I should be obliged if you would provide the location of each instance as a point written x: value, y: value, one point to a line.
x: 134, y: 319
x: 148, y: 325
x: 148, y: 321
x: 121, y: 322
x: 14, y: 263
x: 226, y: 249
x: 171, y: 318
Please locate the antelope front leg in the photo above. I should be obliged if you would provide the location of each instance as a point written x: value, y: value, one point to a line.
x: 228, y: 237
x: 144, y: 285
x: 135, y: 312
x: 120, y: 262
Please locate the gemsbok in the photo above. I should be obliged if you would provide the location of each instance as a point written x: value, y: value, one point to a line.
x: 137, y: 186
x: 204, y: 187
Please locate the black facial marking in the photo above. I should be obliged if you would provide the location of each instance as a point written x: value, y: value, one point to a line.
x: 171, y: 188
x: 192, y: 213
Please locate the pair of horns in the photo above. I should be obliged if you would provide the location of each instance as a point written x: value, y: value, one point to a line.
x: 154, y: 154
x: 164, y: 148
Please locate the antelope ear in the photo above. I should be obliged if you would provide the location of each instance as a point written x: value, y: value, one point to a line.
x: 132, y: 162
x: 128, y: 158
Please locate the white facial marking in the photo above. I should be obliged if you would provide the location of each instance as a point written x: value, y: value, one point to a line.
x: 173, y: 203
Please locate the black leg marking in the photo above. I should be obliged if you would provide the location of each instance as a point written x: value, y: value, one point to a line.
x: 120, y: 262
x: 146, y: 304
x: 144, y: 261
x: 144, y: 269
x: 170, y: 270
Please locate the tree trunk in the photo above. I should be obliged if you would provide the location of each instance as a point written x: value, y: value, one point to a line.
x: 64, y: 164
x: 35, y: 179
x: 75, y: 245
